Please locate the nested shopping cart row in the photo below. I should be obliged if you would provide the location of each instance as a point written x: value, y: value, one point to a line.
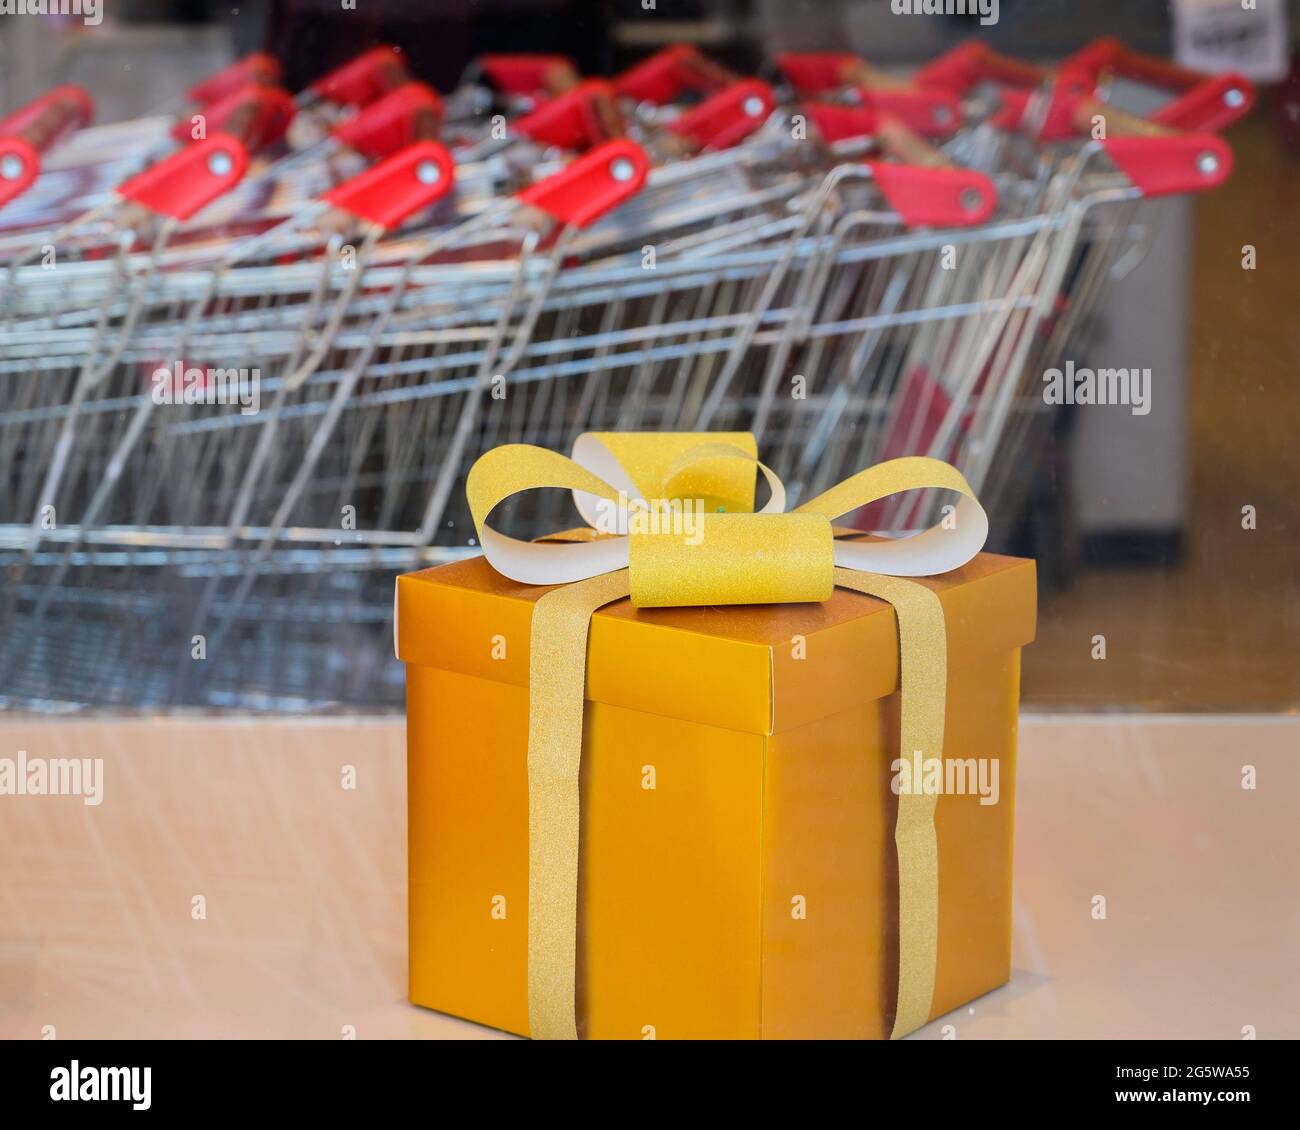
x: 242, y: 386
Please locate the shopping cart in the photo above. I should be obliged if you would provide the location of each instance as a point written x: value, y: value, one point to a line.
x: 847, y: 286
x: 48, y: 380
x: 1036, y: 132
x: 328, y: 339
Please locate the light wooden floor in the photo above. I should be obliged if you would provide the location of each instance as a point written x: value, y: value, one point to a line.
x: 1224, y: 630
x: 304, y: 883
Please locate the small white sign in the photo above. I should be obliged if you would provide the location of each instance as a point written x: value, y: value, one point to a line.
x: 1248, y: 36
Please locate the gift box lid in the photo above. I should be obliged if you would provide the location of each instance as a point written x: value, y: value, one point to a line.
x: 760, y: 669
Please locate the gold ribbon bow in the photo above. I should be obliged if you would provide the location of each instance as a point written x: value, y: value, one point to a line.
x: 673, y: 523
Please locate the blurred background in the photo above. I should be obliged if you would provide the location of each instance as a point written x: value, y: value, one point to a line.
x: 1138, y: 521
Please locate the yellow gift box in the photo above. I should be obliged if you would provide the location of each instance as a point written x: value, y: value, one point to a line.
x: 736, y: 805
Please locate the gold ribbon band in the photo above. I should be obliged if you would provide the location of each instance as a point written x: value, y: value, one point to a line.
x: 557, y: 673
x: 732, y: 559
x: 923, y: 677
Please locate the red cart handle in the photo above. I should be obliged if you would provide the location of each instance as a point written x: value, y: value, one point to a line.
x: 530, y: 74
x: 966, y: 66
x: 19, y: 166
x: 1158, y: 160
x: 399, y: 186
x: 36, y: 127
x: 179, y: 185
x: 587, y: 188
x: 1090, y: 63
x: 258, y: 67
x: 51, y: 117
x: 817, y: 72
x: 413, y: 112
x: 667, y: 74
x: 939, y: 197
x: 920, y: 184
x: 928, y: 111
x: 1205, y: 103
x: 257, y: 115
x: 371, y: 75
x: 727, y: 117
x: 577, y: 119
x: 835, y: 121
x: 822, y: 72
x: 1175, y: 163
x: 1213, y: 105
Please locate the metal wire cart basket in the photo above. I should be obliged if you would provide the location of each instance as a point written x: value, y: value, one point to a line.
x: 250, y: 347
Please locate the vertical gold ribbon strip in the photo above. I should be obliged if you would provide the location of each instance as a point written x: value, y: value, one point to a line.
x: 923, y: 681
x: 557, y: 676
x: 557, y: 685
